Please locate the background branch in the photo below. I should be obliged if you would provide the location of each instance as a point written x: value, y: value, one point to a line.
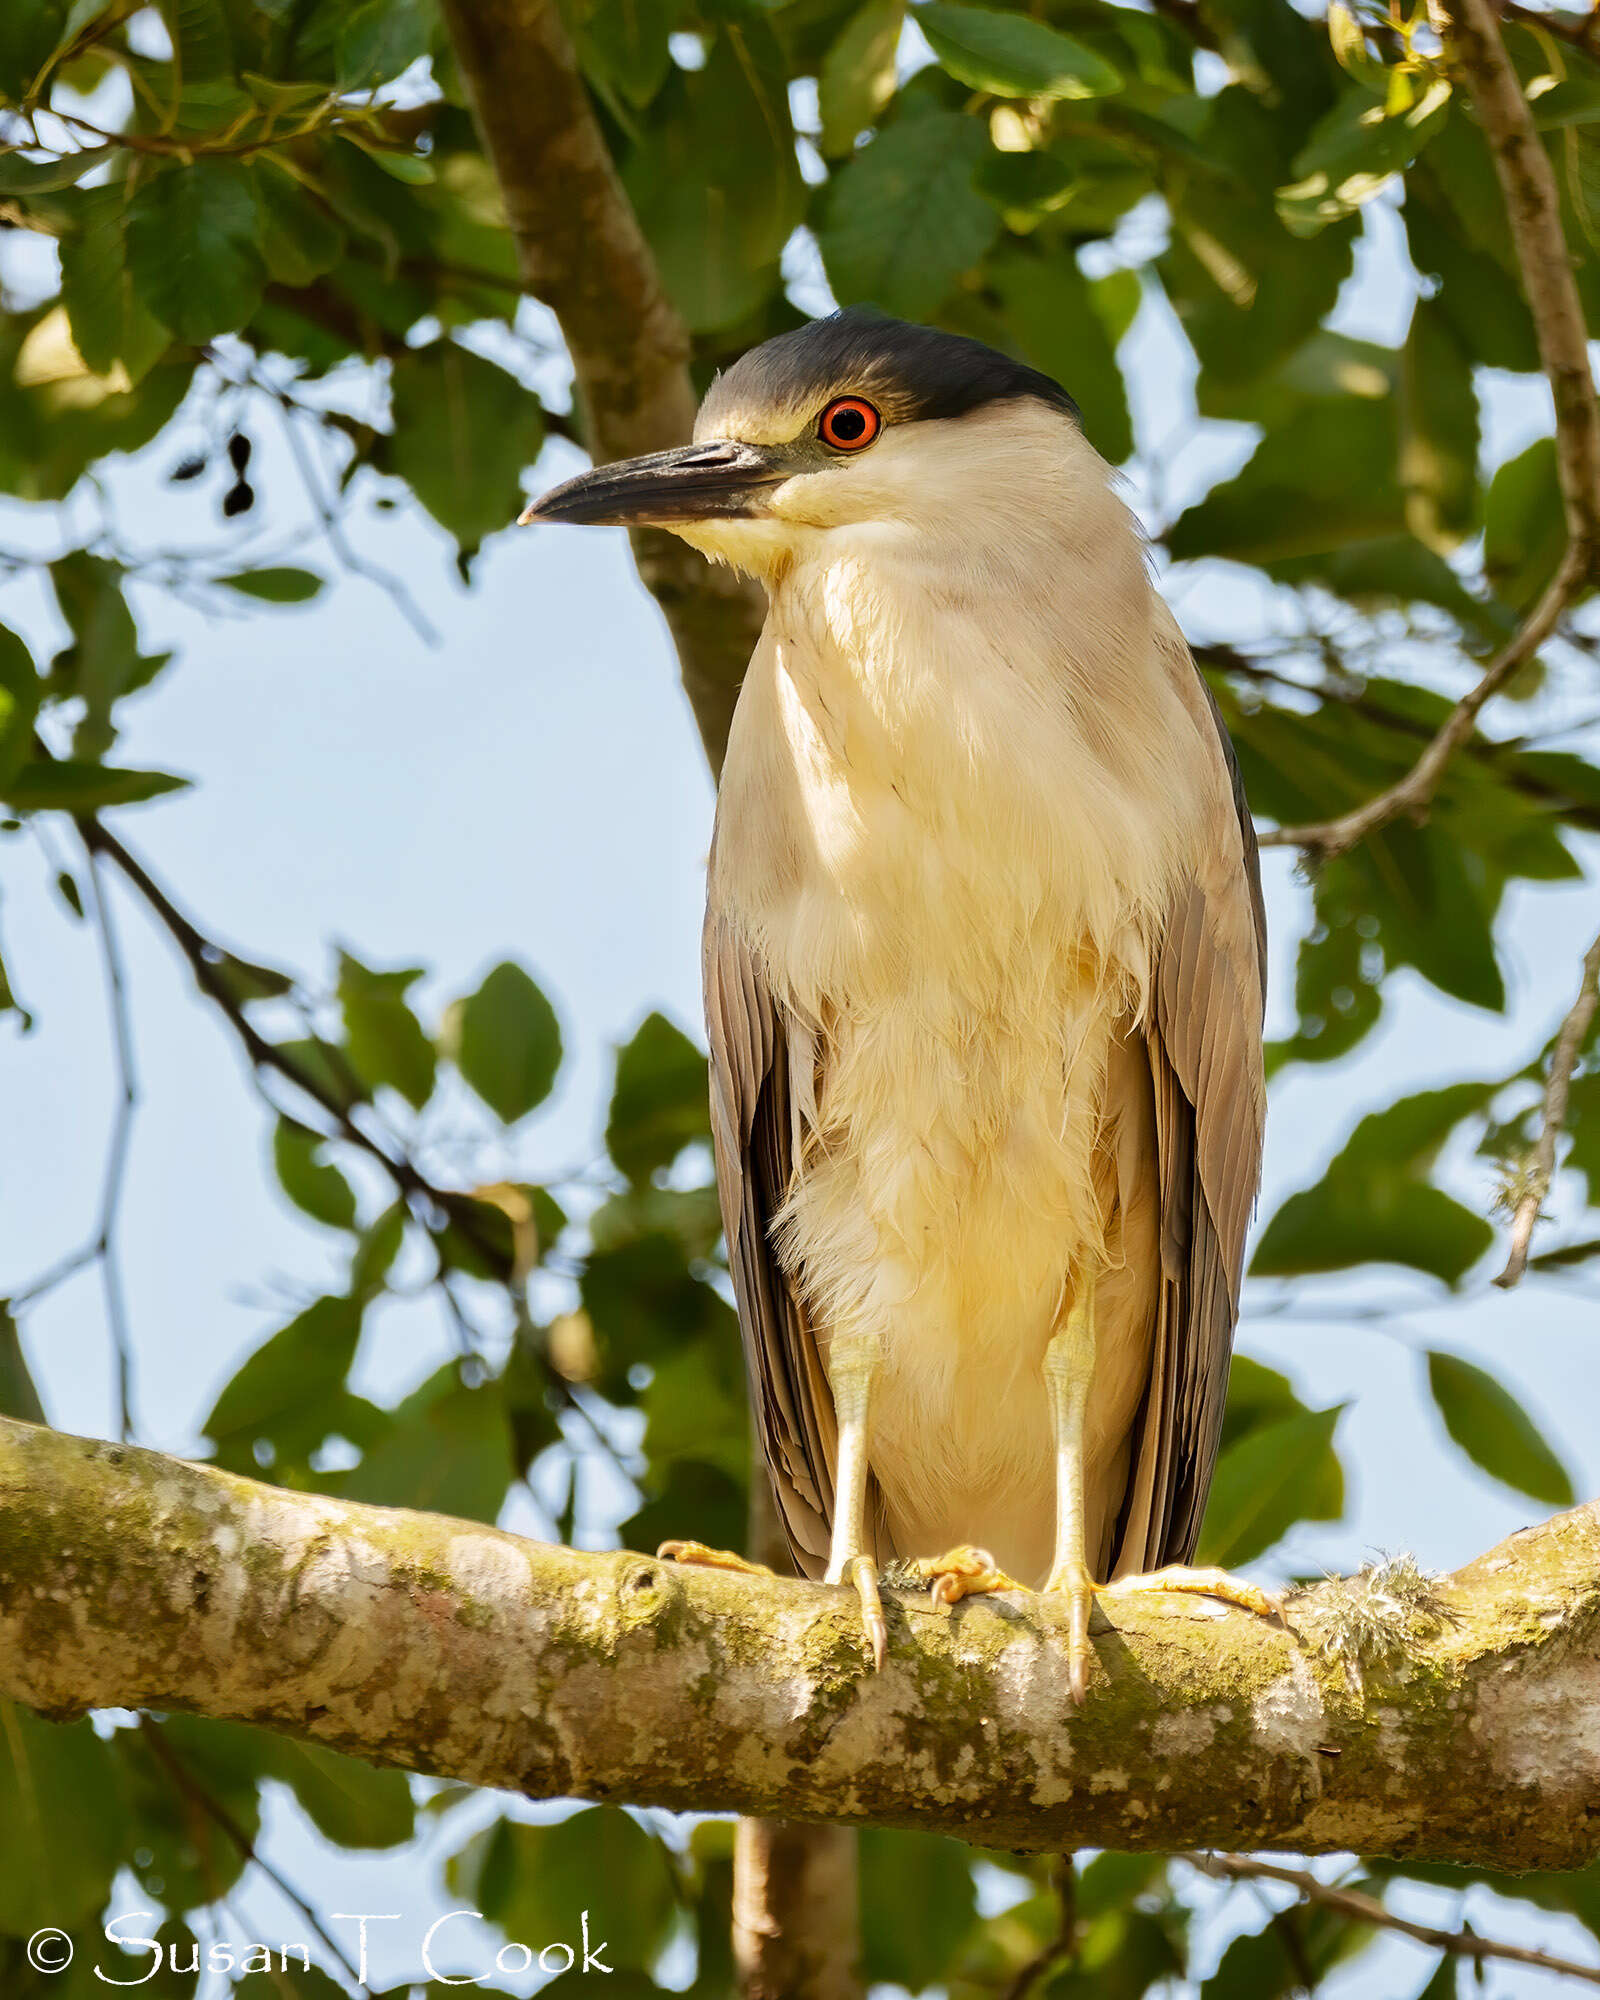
x: 1474, y: 48
x: 128, y: 1579
x: 582, y: 252
x: 1563, y: 1061
x: 1363, y: 1909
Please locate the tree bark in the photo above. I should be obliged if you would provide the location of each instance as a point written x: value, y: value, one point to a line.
x: 582, y: 253
x: 1460, y: 1726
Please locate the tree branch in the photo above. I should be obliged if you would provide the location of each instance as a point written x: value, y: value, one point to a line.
x: 128, y: 1579
x: 1475, y: 50
x: 1563, y: 1061
x: 1362, y: 1909
x: 582, y: 252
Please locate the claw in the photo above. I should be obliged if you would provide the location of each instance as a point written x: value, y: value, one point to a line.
x: 1079, y: 1589
x: 862, y: 1571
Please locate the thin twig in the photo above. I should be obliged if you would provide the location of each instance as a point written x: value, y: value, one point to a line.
x: 1558, y: 1084
x: 1414, y: 792
x: 1368, y: 1910
x: 1533, y: 208
x: 117, y: 1153
x: 333, y: 528
x: 206, y: 963
x: 1062, y: 1948
x: 214, y: 1809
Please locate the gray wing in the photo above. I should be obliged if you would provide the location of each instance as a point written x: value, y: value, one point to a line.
x: 762, y: 1073
x: 1204, y: 1044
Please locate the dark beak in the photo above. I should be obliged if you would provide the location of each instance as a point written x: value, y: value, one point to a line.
x: 717, y: 481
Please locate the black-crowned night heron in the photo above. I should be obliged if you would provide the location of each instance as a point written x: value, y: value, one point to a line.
x: 983, y: 967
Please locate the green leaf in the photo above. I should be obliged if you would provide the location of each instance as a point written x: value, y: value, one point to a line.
x: 354, y: 1804
x: 200, y: 37
x: 1049, y: 308
x: 1495, y: 1431
x: 659, y: 1103
x: 384, y: 1038
x: 318, y: 1189
x: 275, y: 586
x: 1354, y: 153
x: 625, y: 44
x: 463, y: 432
x: 62, y: 785
x: 379, y: 39
x: 19, y: 176
x: 192, y: 235
x: 375, y: 1252
x: 1375, y: 1204
x: 1275, y: 1475
x: 506, y: 1041
x: 715, y: 182
x: 858, y: 76
x: 448, y: 1451
x: 103, y: 663
x: 1438, y: 432
x: 285, y: 1394
x: 1325, y: 476
x: 111, y: 329
x: 299, y: 239
x: 533, y: 1881
x: 21, y: 691
x: 1525, y: 528
x: 18, y: 1396
x: 902, y: 220
x: 1012, y: 55
x: 63, y: 1821
x: 917, y: 1905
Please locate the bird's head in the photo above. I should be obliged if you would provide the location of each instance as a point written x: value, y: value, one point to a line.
x: 855, y: 421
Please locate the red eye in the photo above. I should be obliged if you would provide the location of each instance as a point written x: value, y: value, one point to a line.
x: 849, y: 424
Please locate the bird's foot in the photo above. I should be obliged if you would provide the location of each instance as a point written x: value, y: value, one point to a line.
x: 960, y: 1572
x: 709, y: 1558
x: 860, y: 1571
x: 1234, y: 1590
x: 1081, y: 1591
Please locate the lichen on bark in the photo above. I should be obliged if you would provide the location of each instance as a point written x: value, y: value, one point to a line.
x: 129, y: 1579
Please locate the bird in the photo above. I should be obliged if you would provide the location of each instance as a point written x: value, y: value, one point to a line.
x: 984, y: 963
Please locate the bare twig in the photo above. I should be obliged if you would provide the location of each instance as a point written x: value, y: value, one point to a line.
x: 100, y: 1247
x: 1062, y: 1948
x: 200, y: 1795
x: 1413, y: 792
x: 1363, y: 1909
x: 1558, y: 1084
x: 206, y: 962
x: 117, y: 1154
x: 1533, y: 207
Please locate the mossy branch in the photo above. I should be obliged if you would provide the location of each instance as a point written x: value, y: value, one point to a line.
x: 1453, y: 1721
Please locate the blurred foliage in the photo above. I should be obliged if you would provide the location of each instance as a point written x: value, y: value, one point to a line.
x: 277, y: 213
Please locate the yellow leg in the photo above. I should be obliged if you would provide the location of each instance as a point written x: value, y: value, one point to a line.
x: 1068, y: 1372
x: 852, y: 1363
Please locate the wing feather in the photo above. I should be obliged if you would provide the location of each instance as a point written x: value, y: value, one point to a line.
x: 762, y: 1065
x: 1203, y: 1039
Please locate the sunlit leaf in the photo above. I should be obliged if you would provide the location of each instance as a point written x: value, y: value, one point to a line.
x: 1495, y: 1431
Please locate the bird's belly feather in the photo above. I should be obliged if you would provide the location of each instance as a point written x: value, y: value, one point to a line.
x: 954, y: 1182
